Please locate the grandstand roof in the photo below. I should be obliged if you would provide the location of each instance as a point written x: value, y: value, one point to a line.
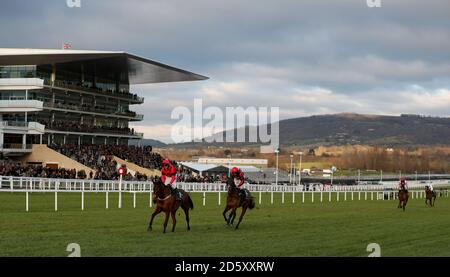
x: 198, y: 167
x: 201, y: 167
x: 140, y: 70
x: 246, y: 168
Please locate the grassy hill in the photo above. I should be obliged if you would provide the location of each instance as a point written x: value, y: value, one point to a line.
x: 353, y: 129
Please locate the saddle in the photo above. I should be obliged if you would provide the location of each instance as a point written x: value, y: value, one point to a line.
x: 244, y: 194
x: 177, y: 194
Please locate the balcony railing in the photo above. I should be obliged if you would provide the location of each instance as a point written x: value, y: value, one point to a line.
x: 124, y: 94
x: 99, y: 110
x: 32, y: 127
x: 16, y: 146
x: 13, y: 124
x: 20, y: 105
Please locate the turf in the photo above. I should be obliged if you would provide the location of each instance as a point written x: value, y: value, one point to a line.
x: 343, y: 228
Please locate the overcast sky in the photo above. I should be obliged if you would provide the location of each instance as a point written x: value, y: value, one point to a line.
x: 306, y: 57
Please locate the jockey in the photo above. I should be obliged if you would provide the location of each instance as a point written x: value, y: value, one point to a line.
x: 430, y: 187
x: 403, y: 185
x: 169, y: 171
x: 236, y: 173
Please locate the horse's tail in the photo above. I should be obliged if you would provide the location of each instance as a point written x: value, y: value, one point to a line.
x: 191, y: 204
x: 251, y: 205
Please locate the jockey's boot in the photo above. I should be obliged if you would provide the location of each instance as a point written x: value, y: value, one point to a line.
x: 242, y: 195
x: 175, y: 193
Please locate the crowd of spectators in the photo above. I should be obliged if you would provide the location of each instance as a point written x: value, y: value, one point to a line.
x: 13, y: 168
x: 85, y: 128
x: 93, y: 154
x: 89, y: 107
x: 100, y: 158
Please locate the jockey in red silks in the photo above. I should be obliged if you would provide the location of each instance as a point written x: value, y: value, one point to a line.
x: 169, y: 171
x: 403, y: 185
x: 237, y: 174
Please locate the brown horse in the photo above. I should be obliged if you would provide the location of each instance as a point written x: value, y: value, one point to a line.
x: 234, y: 202
x: 431, y: 197
x: 403, y: 196
x: 166, y: 202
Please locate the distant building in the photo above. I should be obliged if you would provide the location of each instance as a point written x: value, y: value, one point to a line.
x: 230, y: 161
x: 73, y: 96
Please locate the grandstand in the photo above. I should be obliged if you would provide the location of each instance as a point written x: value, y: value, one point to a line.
x: 76, y: 99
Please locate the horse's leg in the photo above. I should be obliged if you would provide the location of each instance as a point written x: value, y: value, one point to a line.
x: 234, y: 216
x: 166, y: 219
x: 227, y: 208
x: 157, y: 211
x: 186, y: 212
x: 233, y: 211
x: 174, y: 220
x: 244, y: 209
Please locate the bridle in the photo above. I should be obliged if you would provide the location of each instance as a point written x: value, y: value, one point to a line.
x: 165, y: 198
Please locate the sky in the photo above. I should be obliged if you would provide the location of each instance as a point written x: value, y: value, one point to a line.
x: 305, y: 57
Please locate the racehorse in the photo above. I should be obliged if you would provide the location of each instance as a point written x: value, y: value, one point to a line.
x: 166, y: 202
x: 431, y: 197
x: 234, y: 201
x: 403, y: 199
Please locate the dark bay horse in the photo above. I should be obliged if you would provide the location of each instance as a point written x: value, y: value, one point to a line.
x: 430, y: 197
x: 403, y: 196
x: 234, y: 202
x: 166, y: 203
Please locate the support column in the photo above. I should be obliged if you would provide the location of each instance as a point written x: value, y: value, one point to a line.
x: 64, y: 139
x: 79, y: 140
x: 53, y: 76
x: 1, y: 139
x: 40, y: 139
x: 105, y: 140
x: 48, y: 139
x: 24, y: 141
x: 92, y: 140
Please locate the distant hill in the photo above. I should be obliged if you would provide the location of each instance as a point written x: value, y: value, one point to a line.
x: 350, y: 128
x: 147, y: 142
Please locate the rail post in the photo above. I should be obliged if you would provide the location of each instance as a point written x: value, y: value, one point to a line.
x: 82, y: 196
x: 56, y: 196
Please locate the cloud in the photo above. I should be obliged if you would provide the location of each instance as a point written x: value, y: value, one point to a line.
x: 306, y: 57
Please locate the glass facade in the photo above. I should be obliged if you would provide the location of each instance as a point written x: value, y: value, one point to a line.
x: 18, y: 71
x: 79, y: 89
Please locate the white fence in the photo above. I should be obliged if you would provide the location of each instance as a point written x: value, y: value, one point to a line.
x: 45, y: 184
x: 317, y: 193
